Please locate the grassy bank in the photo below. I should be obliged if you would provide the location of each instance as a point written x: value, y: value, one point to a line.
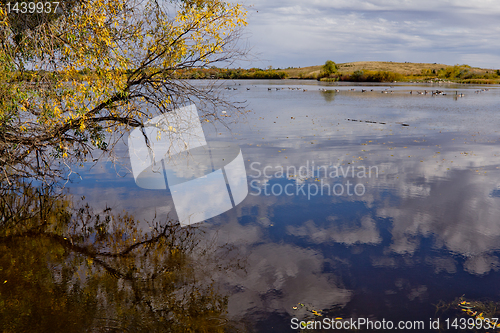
x: 227, y: 73
x: 380, y: 71
x: 361, y: 71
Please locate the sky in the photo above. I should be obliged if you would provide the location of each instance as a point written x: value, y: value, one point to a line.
x: 299, y: 33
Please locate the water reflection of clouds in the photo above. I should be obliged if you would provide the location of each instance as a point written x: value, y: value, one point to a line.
x: 481, y: 264
x: 282, y: 275
x: 442, y: 264
x: 432, y: 197
x: 458, y: 212
x: 366, y: 233
x: 450, y: 202
x: 418, y: 194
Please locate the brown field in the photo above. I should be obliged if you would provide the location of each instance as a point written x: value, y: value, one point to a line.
x: 301, y: 72
x: 405, y: 68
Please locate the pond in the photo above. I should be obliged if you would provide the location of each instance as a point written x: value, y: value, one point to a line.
x: 374, y: 201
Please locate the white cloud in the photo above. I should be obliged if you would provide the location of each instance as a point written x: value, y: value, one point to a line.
x: 298, y: 33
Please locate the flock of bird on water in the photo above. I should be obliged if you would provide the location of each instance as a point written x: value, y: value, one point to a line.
x: 386, y: 91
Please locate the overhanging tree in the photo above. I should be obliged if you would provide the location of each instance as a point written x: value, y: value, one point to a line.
x: 98, y: 66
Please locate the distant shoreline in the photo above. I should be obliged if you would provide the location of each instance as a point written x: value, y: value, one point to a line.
x: 361, y: 71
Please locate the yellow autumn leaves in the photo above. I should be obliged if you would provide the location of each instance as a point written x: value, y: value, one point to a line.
x: 99, y: 58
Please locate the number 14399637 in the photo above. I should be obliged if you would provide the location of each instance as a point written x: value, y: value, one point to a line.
x: 32, y: 7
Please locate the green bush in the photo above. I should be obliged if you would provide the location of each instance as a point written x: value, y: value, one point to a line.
x: 328, y: 70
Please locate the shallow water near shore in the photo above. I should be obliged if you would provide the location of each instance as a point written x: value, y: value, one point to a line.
x: 364, y: 201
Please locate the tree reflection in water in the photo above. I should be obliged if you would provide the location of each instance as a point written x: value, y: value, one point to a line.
x: 69, y: 269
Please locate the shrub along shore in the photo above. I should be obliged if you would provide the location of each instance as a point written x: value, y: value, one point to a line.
x: 362, y: 71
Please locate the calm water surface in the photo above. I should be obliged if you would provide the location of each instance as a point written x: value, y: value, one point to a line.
x: 377, y: 204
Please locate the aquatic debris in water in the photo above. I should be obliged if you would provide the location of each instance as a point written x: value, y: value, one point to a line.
x: 308, y: 308
x: 376, y: 122
x: 484, y: 312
